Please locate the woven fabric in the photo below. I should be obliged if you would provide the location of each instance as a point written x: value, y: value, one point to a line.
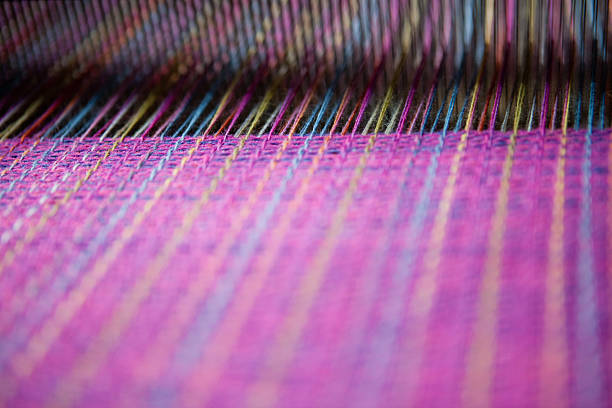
x: 307, y: 270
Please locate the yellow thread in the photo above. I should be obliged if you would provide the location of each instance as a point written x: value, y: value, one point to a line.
x: 482, y: 350
x: 425, y: 290
x: 15, y: 125
x: 21, y: 156
x: 566, y: 111
x: 553, y: 372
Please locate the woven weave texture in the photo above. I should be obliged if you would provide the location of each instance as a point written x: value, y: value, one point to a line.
x: 308, y: 270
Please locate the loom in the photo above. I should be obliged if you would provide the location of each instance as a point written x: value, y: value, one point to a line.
x: 306, y: 203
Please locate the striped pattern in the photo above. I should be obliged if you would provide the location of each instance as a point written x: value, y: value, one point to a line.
x: 393, y: 219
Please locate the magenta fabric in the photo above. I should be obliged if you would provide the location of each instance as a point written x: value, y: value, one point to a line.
x: 307, y: 270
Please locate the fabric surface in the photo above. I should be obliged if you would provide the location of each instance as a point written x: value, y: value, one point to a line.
x: 308, y: 270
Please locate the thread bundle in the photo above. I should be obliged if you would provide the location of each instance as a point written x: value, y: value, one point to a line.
x: 305, y: 204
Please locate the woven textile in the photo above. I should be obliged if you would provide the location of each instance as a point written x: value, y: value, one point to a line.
x: 224, y: 204
x: 315, y: 270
